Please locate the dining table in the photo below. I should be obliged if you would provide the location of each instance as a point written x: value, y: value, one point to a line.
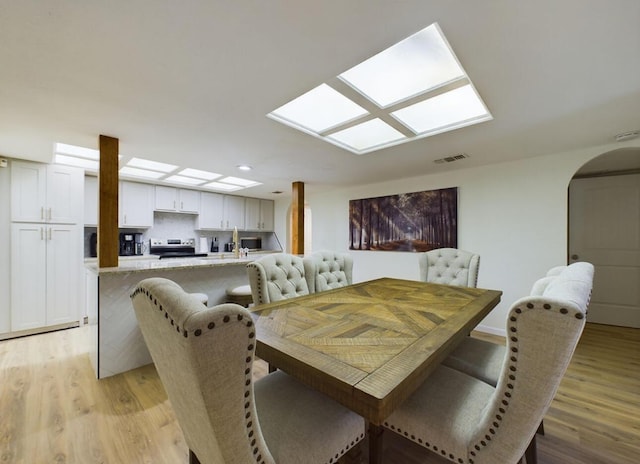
x: 369, y: 345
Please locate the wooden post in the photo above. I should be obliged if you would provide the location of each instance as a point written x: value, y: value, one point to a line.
x: 297, y: 218
x: 108, y: 240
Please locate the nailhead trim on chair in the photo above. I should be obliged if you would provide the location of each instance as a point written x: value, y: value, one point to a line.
x: 502, y: 409
x: 249, y: 359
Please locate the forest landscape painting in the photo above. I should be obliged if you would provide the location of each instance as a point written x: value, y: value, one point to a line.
x: 417, y: 222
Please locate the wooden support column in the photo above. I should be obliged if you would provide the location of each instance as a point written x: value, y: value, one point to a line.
x: 108, y: 239
x: 297, y: 218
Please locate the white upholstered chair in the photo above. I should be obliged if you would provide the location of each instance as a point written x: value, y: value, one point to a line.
x: 449, y: 266
x: 280, y: 276
x: 204, y: 357
x: 332, y: 270
x: 469, y: 421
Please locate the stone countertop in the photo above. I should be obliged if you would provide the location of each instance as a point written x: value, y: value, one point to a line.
x: 153, y: 263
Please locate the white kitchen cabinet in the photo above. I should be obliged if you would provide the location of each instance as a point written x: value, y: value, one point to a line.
x: 233, y: 212
x: 211, y: 208
x: 176, y: 199
x: 136, y: 205
x: 46, y: 193
x: 45, y: 275
x: 90, y: 201
x: 258, y: 214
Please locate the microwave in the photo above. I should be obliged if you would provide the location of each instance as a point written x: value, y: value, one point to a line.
x: 252, y: 243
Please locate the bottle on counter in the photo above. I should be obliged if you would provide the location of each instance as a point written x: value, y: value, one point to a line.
x: 214, y: 245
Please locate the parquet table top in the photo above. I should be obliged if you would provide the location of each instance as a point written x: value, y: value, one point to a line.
x: 369, y: 345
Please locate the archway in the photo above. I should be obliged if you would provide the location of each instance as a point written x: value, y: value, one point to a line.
x: 604, y: 229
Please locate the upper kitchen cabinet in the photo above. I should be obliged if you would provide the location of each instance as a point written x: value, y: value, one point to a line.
x: 136, y: 205
x: 211, y: 209
x: 177, y: 199
x: 46, y: 193
x: 258, y: 215
x: 233, y: 212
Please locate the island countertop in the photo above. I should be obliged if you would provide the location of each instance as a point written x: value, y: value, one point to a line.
x: 143, y: 263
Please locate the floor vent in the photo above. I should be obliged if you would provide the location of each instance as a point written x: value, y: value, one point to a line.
x: 451, y: 159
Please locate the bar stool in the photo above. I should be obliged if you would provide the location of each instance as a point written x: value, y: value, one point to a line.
x: 202, y: 297
x: 240, y: 295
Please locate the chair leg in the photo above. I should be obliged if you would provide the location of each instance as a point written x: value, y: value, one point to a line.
x: 531, y: 454
x: 193, y: 459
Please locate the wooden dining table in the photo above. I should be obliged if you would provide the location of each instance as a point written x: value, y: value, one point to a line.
x: 370, y: 345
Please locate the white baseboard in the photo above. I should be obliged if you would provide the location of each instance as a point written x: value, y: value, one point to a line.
x: 491, y: 330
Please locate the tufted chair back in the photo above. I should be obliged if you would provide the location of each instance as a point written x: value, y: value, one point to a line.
x: 280, y: 276
x: 332, y: 270
x: 470, y: 421
x: 204, y: 358
x: 449, y: 266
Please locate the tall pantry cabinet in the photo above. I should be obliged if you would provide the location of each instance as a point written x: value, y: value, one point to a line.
x: 46, y: 245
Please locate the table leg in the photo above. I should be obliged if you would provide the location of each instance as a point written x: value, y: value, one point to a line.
x: 375, y: 443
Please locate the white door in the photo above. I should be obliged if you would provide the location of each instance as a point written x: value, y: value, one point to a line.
x: 28, y: 276
x: 604, y: 229
x: 63, y: 268
x: 65, y: 201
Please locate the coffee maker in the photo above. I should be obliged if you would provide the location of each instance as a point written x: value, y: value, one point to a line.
x: 130, y: 244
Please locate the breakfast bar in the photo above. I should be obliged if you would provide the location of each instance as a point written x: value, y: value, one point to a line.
x: 117, y: 340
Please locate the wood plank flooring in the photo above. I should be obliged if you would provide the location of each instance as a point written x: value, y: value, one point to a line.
x: 53, y: 410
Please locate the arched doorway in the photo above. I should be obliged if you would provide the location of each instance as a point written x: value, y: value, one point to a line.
x: 604, y: 229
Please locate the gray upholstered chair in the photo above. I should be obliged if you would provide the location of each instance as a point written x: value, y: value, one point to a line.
x: 469, y: 421
x: 332, y: 270
x: 482, y: 359
x: 280, y: 276
x: 449, y: 266
x: 204, y: 357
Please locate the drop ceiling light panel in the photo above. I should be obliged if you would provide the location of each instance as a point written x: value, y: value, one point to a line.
x: 404, y: 82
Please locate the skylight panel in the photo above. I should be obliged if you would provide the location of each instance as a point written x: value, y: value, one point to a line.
x: 74, y: 150
x: 143, y: 173
x: 239, y: 181
x: 153, y: 165
x: 184, y: 180
x: 410, y: 81
x: 458, y: 108
x: 198, y: 174
x: 367, y: 135
x: 77, y: 162
x: 415, y: 65
x: 318, y: 110
x: 221, y: 186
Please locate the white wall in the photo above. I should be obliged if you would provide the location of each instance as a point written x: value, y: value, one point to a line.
x: 513, y: 214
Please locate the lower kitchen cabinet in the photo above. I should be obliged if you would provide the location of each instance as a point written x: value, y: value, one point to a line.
x: 45, y: 275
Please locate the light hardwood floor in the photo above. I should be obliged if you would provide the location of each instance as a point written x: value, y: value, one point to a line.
x: 53, y: 410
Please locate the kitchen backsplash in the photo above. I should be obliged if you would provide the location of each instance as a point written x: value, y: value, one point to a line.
x: 181, y: 225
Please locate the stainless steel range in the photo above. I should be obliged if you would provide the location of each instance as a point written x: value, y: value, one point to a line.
x: 174, y: 248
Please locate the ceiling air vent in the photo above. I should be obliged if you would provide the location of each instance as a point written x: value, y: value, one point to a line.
x: 627, y: 136
x: 452, y: 158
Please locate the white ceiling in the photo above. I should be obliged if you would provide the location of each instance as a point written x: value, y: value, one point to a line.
x: 191, y: 82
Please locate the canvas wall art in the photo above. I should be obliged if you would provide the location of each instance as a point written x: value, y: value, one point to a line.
x: 417, y: 222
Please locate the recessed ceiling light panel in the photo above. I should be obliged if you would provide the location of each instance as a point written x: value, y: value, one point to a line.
x: 85, y: 163
x: 153, y: 165
x: 319, y: 109
x: 419, y: 63
x: 239, y: 181
x: 198, y: 174
x: 221, y: 186
x: 142, y: 173
x: 367, y: 135
x: 184, y: 180
x: 74, y: 150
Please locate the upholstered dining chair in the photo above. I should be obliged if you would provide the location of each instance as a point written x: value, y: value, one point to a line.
x: 332, y: 270
x: 204, y: 358
x: 469, y: 421
x: 449, y: 266
x: 280, y: 276
x: 483, y: 359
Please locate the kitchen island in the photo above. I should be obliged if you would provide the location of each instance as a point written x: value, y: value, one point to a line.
x: 118, y: 342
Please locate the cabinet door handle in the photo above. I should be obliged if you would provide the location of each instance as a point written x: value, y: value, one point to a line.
x: 41, y: 233
x: 50, y: 214
x: 49, y: 233
x: 174, y: 204
x: 222, y: 224
x: 125, y: 218
x: 42, y: 213
x: 182, y: 205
